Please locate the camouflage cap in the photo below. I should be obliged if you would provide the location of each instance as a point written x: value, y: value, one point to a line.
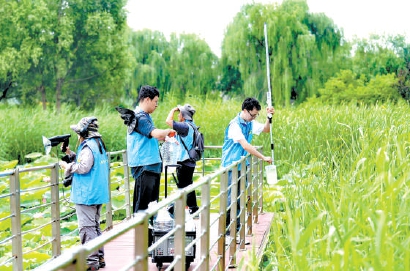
x: 86, y: 127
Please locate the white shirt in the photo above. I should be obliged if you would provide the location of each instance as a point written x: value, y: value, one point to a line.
x: 235, y: 132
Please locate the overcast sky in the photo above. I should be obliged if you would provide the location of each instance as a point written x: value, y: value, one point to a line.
x: 209, y: 18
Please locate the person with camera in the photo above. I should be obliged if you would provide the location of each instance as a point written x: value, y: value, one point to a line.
x: 89, y: 169
x: 143, y: 150
x: 185, y: 133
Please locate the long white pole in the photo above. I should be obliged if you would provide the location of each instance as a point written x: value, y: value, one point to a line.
x: 269, y: 94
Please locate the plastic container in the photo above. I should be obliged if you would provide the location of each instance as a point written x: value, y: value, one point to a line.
x: 163, y: 222
x: 170, y: 151
x: 271, y: 174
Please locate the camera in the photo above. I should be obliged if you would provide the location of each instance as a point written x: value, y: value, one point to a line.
x: 55, y: 140
x: 68, y: 180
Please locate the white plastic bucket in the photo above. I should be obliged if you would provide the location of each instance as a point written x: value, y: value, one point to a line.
x: 271, y: 174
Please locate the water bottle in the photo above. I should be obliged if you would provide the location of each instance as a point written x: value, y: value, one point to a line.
x: 170, y: 150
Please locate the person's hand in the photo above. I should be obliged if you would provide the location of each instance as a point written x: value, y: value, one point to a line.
x: 270, y: 110
x: 67, y: 150
x: 171, y: 133
x: 267, y: 159
x: 63, y: 164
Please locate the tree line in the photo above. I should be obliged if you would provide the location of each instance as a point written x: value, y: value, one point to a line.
x: 82, y: 53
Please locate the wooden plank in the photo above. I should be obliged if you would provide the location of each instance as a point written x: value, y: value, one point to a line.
x: 119, y: 252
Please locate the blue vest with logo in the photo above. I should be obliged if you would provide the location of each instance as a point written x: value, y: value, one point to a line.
x: 232, y: 151
x: 188, y: 140
x: 92, y: 187
x: 142, y: 150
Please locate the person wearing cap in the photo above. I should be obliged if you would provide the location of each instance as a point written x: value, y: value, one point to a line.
x: 238, y: 138
x: 89, y: 188
x: 185, y: 136
x: 143, y: 150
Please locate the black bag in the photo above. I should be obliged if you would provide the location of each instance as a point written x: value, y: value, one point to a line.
x: 198, y: 146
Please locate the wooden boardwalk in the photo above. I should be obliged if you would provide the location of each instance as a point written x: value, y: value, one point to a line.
x: 119, y: 252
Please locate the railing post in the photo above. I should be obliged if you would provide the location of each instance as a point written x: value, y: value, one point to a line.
x: 243, y: 199
x: 205, y: 225
x: 249, y: 202
x: 260, y: 188
x: 222, y: 221
x: 180, y: 233
x: 108, y: 214
x: 255, y: 192
x: 55, y: 211
x: 127, y: 185
x: 233, y: 217
x: 141, y: 244
x: 16, y: 220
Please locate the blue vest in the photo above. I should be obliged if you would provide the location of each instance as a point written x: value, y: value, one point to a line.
x: 92, y: 187
x: 142, y: 150
x: 188, y: 140
x: 232, y: 151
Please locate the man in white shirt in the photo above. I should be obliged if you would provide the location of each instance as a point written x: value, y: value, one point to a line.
x: 238, y: 138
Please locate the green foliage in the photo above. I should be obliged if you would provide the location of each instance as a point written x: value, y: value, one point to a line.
x: 173, y: 66
x: 72, y: 51
x: 300, y: 46
x: 346, y: 87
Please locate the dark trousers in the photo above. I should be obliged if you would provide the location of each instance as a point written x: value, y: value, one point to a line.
x: 146, y: 189
x: 184, y: 176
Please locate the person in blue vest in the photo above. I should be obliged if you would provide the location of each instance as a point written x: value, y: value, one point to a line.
x: 143, y: 150
x: 89, y: 189
x: 185, y: 136
x: 238, y: 137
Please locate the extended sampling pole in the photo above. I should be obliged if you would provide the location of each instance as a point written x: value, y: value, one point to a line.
x: 271, y: 173
x: 269, y: 94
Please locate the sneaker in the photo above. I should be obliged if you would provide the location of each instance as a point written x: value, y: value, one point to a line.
x: 228, y: 240
x: 92, y: 268
x: 101, y: 261
x: 192, y: 212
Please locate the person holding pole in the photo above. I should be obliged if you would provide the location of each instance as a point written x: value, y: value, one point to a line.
x: 238, y: 138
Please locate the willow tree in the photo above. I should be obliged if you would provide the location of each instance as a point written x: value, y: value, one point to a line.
x: 192, y: 65
x: 149, y: 50
x: 301, y: 45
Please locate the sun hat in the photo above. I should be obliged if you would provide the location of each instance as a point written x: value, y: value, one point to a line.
x: 187, y: 111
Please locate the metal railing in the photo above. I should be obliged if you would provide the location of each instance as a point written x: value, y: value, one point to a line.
x: 250, y: 198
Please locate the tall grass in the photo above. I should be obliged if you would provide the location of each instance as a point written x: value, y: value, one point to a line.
x: 22, y: 128
x: 343, y: 199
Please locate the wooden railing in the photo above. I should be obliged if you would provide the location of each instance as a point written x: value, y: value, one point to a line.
x: 251, y: 204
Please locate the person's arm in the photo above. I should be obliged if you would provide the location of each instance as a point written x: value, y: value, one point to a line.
x: 160, y: 134
x: 170, y: 118
x: 84, y: 164
x: 253, y: 151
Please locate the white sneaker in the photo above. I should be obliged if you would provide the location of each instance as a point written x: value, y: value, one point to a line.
x: 228, y: 240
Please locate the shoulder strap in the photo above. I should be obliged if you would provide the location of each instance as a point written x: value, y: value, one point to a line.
x: 193, y: 140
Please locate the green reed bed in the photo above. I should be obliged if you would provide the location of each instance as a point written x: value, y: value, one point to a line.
x: 343, y: 199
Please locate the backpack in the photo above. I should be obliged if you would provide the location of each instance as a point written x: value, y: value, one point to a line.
x: 198, y: 146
